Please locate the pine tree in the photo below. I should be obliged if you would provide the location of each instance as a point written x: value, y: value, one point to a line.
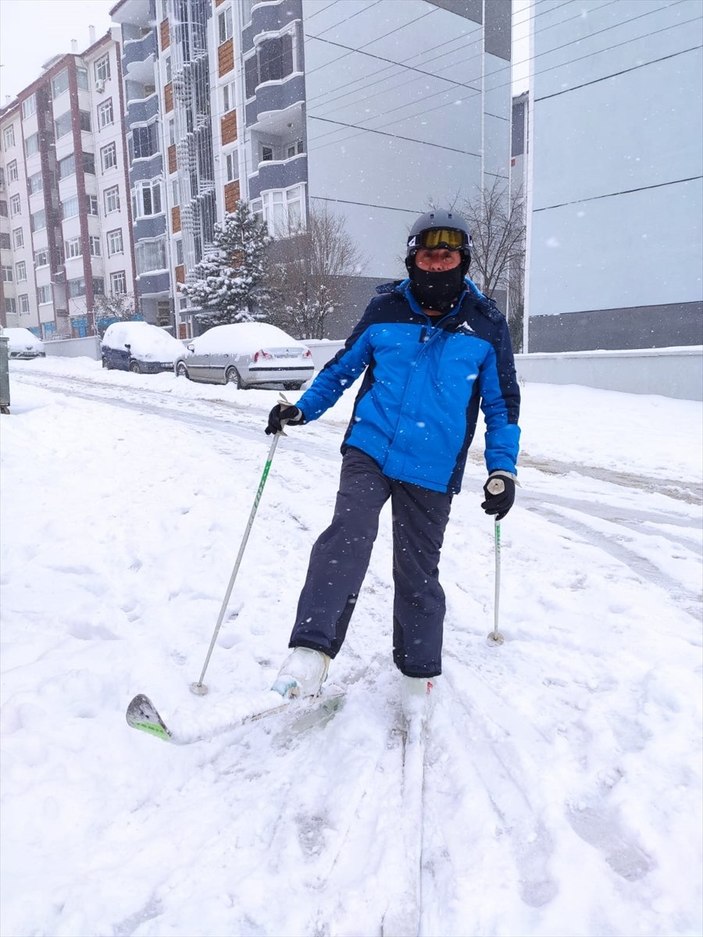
x: 230, y: 282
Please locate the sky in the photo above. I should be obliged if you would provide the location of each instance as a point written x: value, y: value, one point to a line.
x: 61, y: 21
x: 562, y: 778
x: 33, y: 31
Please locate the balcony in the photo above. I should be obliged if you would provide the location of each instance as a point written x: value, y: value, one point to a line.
x: 141, y: 111
x: 133, y: 12
x: 146, y: 167
x: 272, y: 97
x: 139, y: 50
x: 150, y: 227
x: 270, y: 18
x: 279, y: 174
x: 154, y: 284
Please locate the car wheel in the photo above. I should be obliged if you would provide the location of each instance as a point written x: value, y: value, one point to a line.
x: 232, y: 376
x: 104, y: 362
x: 292, y: 385
x: 182, y: 370
x: 135, y: 367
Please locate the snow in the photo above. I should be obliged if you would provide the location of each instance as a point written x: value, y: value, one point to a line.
x: 243, y: 338
x: 20, y: 340
x: 563, y: 778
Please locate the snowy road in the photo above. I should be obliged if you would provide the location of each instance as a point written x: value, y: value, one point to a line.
x: 563, y: 777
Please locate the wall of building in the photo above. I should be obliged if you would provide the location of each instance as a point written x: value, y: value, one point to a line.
x: 617, y: 197
x: 391, y: 130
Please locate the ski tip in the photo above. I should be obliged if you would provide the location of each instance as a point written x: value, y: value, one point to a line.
x: 142, y: 714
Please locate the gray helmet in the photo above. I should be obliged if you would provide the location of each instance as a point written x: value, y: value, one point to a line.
x: 440, y: 221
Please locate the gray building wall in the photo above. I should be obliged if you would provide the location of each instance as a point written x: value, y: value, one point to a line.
x: 403, y: 110
x: 617, y: 154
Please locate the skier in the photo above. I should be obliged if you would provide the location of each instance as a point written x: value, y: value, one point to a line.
x: 433, y: 348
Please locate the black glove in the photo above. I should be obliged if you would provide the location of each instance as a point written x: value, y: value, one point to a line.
x: 283, y: 415
x: 500, y: 494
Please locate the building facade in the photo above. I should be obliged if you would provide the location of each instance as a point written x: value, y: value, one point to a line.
x: 616, y: 146
x: 64, y: 206
x: 373, y: 110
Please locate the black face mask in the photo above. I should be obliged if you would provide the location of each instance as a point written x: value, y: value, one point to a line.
x: 438, y: 291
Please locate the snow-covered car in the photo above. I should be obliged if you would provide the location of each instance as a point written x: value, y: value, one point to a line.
x: 139, y: 347
x: 23, y: 344
x: 247, y: 354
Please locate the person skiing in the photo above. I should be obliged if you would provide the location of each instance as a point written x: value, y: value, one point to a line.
x: 433, y: 349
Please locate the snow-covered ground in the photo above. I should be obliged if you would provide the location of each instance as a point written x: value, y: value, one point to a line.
x: 563, y: 779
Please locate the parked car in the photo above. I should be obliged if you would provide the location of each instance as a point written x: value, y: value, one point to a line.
x: 24, y: 344
x: 246, y: 354
x: 139, y: 347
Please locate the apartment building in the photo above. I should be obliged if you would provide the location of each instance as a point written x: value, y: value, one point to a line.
x: 64, y: 207
x: 616, y: 146
x: 372, y: 109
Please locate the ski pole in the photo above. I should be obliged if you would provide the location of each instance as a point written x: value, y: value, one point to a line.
x: 495, y: 638
x: 199, y: 688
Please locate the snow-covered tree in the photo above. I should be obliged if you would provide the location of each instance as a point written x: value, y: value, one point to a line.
x: 230, y: 282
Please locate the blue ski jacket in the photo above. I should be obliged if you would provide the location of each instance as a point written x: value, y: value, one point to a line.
x: 416, y: 411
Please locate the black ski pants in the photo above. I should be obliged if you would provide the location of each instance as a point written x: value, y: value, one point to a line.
x: 341, y: 555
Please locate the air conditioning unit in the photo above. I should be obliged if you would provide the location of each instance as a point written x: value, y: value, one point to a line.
x: 100, y: 86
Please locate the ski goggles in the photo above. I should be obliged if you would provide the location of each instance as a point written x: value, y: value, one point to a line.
x: 449, y: 238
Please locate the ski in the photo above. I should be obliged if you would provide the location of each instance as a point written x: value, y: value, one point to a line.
x: 143, y: 715
x: 403, y: 915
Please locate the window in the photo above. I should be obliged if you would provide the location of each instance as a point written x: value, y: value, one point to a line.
x: 147, y: 199
x: 108, y: 156
x: 62, y: 125
x: 21, y: 271
x: 12, y: 174
x: 89, y: 163
x: 73, y: 248
x: 41, y: 258
x: 18, y: 237
x: 38, y: 220
x: 5, y: 242
x: 102, y: 68
x: 31, y: 145
x: 29, y: 106
x: 151, y: 255
x: 67, y: 166
x: 76, y: 287
x: 266, y: 154
x: 294, y: 149
x: 3, y: 209
x: 43, y: 295
x: 15, y: 205
x: 11, y: 304
x: 95, y: 249
x: 105, y: 115
x: 232, y: 166
x: 23, y: 303
x: 224, y: 25
x: 99, y: 286
x: 283, y: 210
x: 114, y: 242
x: 179, y: 251
x: 7, y: 276
x: 171, y: 132
x: 111, y: 199
x: 168, y: 70
x: 70, y: 208
x: 118, y: 282
x: 273, y: 60
x: 59, y: 84
x: 228, y: 97
x: 144, y: 141
x: 82, y: 77
x: 92, y: 205
x: 175, y: 192
x: 8, y: 137
x: 84, y: 121
x: 35, y: 183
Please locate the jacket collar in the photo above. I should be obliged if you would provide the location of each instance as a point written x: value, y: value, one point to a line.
x: 470, y: 289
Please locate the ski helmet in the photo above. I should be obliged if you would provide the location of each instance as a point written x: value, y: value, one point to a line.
x: 440, y: 228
